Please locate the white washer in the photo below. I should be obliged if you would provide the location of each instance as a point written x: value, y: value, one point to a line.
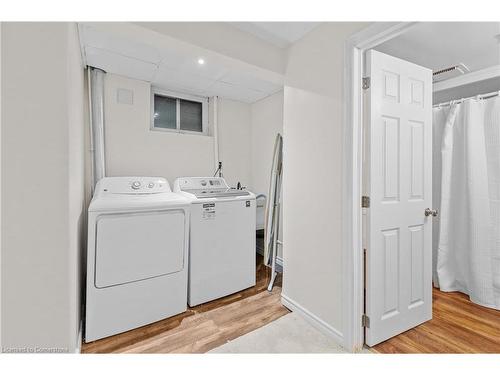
x: 137, y: 255
x: 222, y: 238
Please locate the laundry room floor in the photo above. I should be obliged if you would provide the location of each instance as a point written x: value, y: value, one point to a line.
x: 203, y: 327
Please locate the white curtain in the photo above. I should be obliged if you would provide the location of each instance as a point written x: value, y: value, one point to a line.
x: 466, y: 190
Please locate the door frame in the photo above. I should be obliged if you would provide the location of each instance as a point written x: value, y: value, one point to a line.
x: 352, y: 188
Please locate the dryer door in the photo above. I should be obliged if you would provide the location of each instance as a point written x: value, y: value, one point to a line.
x: 137, y: 246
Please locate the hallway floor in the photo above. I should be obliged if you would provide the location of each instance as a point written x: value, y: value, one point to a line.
x: 289, y: 334
x: 457, y: 326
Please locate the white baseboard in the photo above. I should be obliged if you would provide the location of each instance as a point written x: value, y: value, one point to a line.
x: 313, y: 319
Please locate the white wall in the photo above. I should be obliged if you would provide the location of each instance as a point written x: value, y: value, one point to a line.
x: 133, y: 149
x: 465, y: 91
x: 0, y: 184
x: 267, y: 121
x: 312, y: 174
x: 42, y: 189
x: 234, y: 141
x: 77, y: 106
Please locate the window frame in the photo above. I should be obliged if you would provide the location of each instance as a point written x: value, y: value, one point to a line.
x: 177, y: 96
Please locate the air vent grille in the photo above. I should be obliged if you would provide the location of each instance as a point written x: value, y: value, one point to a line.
x: 450, y: 72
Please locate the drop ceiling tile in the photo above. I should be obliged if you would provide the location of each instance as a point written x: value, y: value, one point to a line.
x: 173, y: 59
x: 248, y: 80
x: 187, y: 62
x: 235, y: 92
x: 176, y: 66
x: 209, y: 69
x: 172, y: 79
x: 105, y: 40
x: 118, y: 64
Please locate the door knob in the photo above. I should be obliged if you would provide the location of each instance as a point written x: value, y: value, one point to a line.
x: 431, y: 212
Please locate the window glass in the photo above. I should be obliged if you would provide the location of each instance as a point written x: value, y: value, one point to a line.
x: 191, y: 116
x: 165, y: 112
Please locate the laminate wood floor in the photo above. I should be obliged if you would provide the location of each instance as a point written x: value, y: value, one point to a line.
x: 203, y: 327
x: 457, y: 326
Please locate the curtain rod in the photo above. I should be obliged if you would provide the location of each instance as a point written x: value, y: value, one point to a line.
x: 478, y: 97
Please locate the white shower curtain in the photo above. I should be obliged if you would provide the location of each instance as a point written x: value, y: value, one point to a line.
x: 467, y: 191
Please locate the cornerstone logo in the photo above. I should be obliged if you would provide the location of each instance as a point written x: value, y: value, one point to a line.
x: 30, y: 350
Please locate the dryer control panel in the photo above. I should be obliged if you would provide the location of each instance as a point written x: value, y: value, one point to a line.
x: 133, y: 185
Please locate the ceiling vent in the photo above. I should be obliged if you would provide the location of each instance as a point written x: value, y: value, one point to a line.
x: 450, y: 72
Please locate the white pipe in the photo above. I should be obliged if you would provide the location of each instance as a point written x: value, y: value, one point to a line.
x: 91, y: 134
x: 215, y: 132
x: 97, y: 123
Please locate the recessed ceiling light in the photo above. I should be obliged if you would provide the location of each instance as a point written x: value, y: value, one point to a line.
x: 201, y: 61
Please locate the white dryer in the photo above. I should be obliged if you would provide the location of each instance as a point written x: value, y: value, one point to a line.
x: 222, y: 238
x: 137, y: 255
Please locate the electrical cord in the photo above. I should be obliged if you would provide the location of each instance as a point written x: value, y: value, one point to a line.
x: 219, y: 170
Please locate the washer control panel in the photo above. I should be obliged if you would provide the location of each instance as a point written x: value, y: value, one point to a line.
x: 133, y: 185
x: 198, y: 183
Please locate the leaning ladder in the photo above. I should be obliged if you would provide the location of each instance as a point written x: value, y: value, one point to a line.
x: 272, y: 241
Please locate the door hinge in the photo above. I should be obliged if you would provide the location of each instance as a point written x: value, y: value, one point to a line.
x: 365, y: 321
x: 365, y: 201
x: 366, y: 83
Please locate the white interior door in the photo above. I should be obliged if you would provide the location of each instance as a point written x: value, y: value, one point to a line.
x: 398, y: 180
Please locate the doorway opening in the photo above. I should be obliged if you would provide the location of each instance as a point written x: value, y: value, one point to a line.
x: 416, y: 262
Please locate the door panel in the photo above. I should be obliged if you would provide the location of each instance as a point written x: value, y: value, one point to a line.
x: 222, y: 249
x: 138, y: 246
x: 398, y: 179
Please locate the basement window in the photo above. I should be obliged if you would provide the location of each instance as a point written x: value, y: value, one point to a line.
x: 178, y: 112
